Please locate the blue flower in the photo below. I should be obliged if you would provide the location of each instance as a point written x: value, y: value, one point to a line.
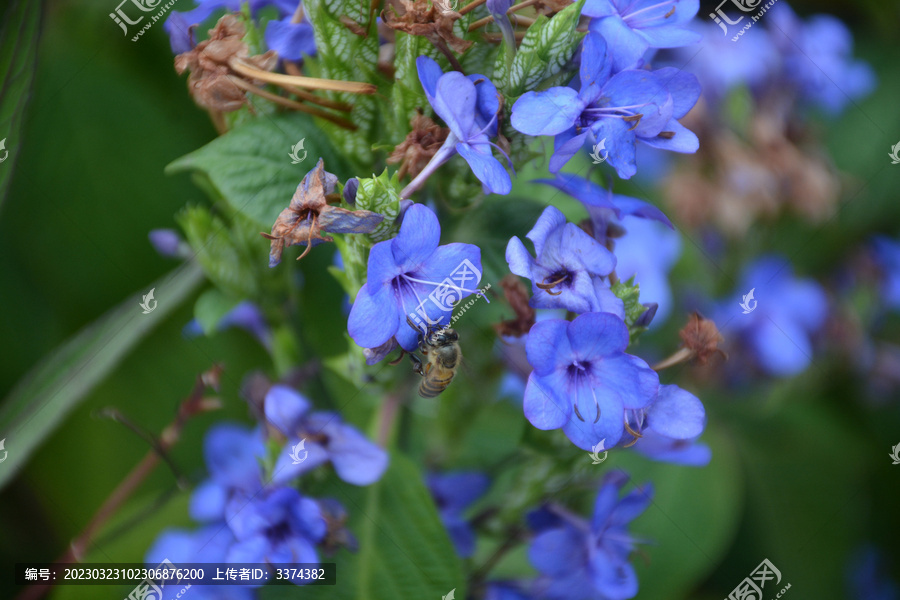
x: 290, y: 40
x: 887, y: 255
x: 588, y: 560
x: 501, y: 590
x: 785, y: 312
x: 209, y: 544
x: 402, y: 273
x: 327, y: 438
x: 167, y: 243
x: 583, y: 382
x: 670, y: 428
x: 868, y: 576
x: 469, y: 107
x: 246, y: 315
x: 647, y: 252
x: 629, y: 106
x: 818, y: 60
x: 602, y: 205
x: 631, y: 27
x: 569, y: 269
x: 453, y: 493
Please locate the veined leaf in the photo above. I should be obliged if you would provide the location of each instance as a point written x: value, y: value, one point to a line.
x: 251, y: 168
x: 406, y: 93
x: 46, y: 395
x: 18, y: 53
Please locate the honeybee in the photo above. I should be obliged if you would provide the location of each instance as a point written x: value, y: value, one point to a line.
x: 441, y: 349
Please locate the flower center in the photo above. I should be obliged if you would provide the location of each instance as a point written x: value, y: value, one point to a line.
x: 562, y: 277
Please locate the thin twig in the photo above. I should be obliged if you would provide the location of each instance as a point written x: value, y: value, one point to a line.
x: 287, y: 103
x: 310, y: 83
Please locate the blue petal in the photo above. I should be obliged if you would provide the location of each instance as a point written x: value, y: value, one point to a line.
x: 596, y: 336
x: 565, y: 147
x: 455, y: 103
x: 625, y: 46
x: 285, y: 470
x: 179, y: 23
x: 382, y: 267
x: 488, y: 103
x: 519, y: 260
x: 284, y: 408
x: 632, y: 505
x: 252, y: 550
x: 599, y: 8
x: 595, y: 67
x: 545, y: 405
x: 619, y: 144
x: 629, y: 378
x: 617, y: 580
x: 608, y: 427
x: 579, y: 245
x: 684, y: 88
x: 668, y: 37
x: 548, y: 346
x: 232, y: 453
x: 355, y: 458
x: 640, y: 208
x: 556, y: 552
x: 607, y: 498
x: 455, y: 491
x: 419, y: 236
x: 676, y: 414
x: 461, y: 535
x: 551, y: 219
x: 292, y: 41
x: 429, y: 73
x: 684, y: 140
x: 782, y: 349
x: 486, y: 168
x: 546, y: 113
x: 373, y: 319
x: 459, y: 262
x: 208, y: 502
x: 645, y: 88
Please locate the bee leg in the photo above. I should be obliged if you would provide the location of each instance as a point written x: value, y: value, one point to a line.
x: 417, y: 364
x: 397, y: 360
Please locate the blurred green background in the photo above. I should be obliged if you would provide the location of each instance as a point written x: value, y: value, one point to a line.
x: 800, y: 473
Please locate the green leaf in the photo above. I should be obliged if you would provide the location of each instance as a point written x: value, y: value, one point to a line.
x: 344, y: 55
x: 18, y: 54
x: 43, y: 398
x: 548, y: 45
x: 382, y: 195
x: 250, y: 166
x: 629, y: 293
x: 406, y: 93
x: 404, y: 550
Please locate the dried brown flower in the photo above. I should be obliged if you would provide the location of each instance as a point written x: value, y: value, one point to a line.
x: 209, y: 81
x: 426, y: 19
x: 517, y: 295
x: 419, y: 146
x: 309, y: 215
x: 701, y: 336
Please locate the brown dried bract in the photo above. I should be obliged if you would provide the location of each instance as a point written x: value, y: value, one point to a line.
x: 208, y: 63
x: 702, y: 338
x: 419, y: 146
x: 550, y: 7
x: 517, y: 296
x: 309, y: 215
x: 426, y: 19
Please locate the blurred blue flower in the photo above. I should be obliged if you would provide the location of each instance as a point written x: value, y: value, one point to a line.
x: 453, y: 493
x: 670, y: 428
x: 868, y: 576
x: 631, y: 27
x: 290, y: 40
x: 167, y: 242
x: 278, y: 526
x: 569, y: 268
x: 817, y: 57
x: 583, y: 381
x: 631, y: 105
x: 647, y: 252
x: 887, y: 255
x: 503, y: 590
x: 784, y: 313
x: 209, y: 544
x: 246, y: 315
x: 402, y: 273
x: 469, y: 107
x: 588, y: 560
x: 327, y: 438
x: 602, y: 205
